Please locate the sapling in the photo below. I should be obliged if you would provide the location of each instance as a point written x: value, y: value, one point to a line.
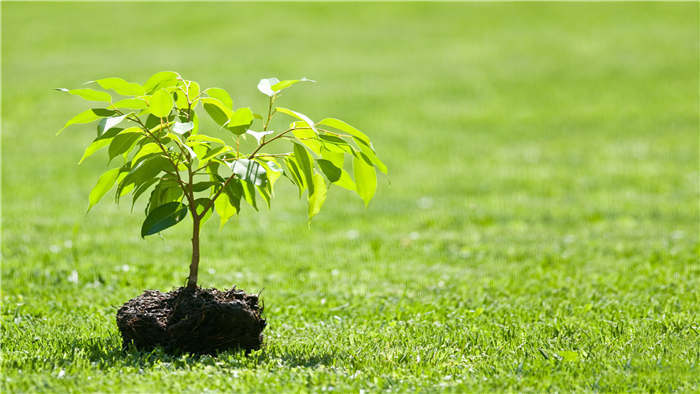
x: 153, y: 139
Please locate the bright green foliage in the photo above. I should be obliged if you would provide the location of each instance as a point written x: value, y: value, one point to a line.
x: 163, y: 151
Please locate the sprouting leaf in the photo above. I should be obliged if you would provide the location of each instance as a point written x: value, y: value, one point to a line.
x: 160, y: 80
x: 318, y: 196
x: 365, y: 179
x: 104, y: 184
x: 121, y: 86
x: 89, y: 94
x: 342, y: 126
x: 265, y: 86
x: 161, y: 103
x: 88, y: 116
x: 304, y: 161
x: 299, y: 116
x: 186, y: 94
x: 182, y: 128
x: 163, y: 217
x: 279, y: 86
x: 259, y: 134
x: 221, y: 95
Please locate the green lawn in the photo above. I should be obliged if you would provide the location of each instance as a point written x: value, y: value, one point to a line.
x: 538, y: 229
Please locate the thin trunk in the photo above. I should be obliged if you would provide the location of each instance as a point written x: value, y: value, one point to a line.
x: 194, y: 266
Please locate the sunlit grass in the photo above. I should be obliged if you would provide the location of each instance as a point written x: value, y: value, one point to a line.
x: 538, y: 230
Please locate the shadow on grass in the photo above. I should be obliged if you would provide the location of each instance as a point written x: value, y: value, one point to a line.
x: 107, y: 352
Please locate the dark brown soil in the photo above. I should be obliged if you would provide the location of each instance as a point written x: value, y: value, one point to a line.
x: 200, y: 321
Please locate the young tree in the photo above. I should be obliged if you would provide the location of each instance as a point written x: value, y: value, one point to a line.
x: 153, y: 132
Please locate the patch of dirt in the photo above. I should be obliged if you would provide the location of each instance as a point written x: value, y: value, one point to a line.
x: 200, y: 321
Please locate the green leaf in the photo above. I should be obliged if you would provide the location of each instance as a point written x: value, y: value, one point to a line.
x: 140, y: 190
x: 202, y: 186
x: 307, y: 137
x: 144, y: 150
x: 318, y: 196
x: 279, y: 86
x: 299, y: 116
x: 365, y: 179
x: 217, y: 111
x: 221, y: 95
x: 329, y: 169
x: 229, y: 202
x: 335, y: 144
x: 294, y: 174
x: 164, y: 216
x: 145, y: 170
x: 338, y: 159
x: 265, y: 192
x: 240, y: 121
x: 161, y: 103
x: 342, y: 126
x: 89, y: 94
x: 167, y: 190
x: 160, y: 80
x: 95, y: 146
x: 304, y: 161
x: 204, y: 138
x: 212, y: 153
x: 274, y: 171
x: 368, y: 151
x: 122, y: 142
x: 249, y: 194
x: 121, y: 86
x: 88, y: 116
x: 104, y: 184
x: 131, y: 103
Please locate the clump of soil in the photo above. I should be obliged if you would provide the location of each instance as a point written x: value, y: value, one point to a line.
x: 200, y: 321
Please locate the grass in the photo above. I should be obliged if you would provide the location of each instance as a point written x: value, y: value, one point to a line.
x: 538, y: 231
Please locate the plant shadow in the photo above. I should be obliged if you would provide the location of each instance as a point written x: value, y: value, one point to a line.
x: 107, y: 352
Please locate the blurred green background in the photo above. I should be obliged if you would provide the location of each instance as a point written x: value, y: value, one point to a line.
x: 538, y: 229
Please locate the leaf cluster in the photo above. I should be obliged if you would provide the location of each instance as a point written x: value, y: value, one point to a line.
x: 152, y: 131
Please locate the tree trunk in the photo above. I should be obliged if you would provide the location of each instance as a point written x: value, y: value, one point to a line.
x: 194, y: 265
